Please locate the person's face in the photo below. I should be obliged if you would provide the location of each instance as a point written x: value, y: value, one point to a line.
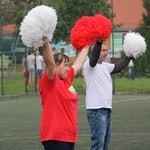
x: 37, y: 53
x: 103, y: 54
x: 62, y: 69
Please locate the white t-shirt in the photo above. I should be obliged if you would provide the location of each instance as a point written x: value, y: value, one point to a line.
x: 39, y: 61
x: 131, y: 64
x: 31, y: 61
x: 98, y: 85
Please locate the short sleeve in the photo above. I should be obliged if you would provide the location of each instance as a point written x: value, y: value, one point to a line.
x: 109, y: 66
x: 70, y: 75
x: 45, y: 82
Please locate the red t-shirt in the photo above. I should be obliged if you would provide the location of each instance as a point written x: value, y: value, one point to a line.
x: 59, y: 108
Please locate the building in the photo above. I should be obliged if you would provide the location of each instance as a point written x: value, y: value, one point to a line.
x: 8, y: 30
x: 128, y: 15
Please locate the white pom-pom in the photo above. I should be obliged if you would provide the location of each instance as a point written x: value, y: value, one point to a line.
x: 40, y: 21
x: 134, y: 44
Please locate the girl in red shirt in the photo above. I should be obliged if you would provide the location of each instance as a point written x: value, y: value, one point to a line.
x: 58, y: 126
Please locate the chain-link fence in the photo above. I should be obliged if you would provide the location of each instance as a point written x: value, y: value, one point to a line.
x: 13, y: 51
x: 12, y: 80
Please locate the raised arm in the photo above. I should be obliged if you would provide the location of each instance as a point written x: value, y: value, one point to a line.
x: 95, y: 53
x: 80, y: 59
x: 121, y: 64
x: 49, y: 58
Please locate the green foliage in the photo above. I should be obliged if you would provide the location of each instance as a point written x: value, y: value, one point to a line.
x: 71, y: 10
x: 141, y: 65
x: 144, y: 30
x: 68, y: 12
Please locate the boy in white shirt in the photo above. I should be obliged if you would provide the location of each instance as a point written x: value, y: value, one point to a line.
x: 97, y: 75
x: 39, y: 64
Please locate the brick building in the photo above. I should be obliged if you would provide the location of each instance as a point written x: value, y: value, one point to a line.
x: 128, y: 14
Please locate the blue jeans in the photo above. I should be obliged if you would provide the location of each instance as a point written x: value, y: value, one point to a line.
x: 100, y: 124
x: 131, y: 73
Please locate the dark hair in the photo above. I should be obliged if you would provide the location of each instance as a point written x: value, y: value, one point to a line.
x: 59, y: 57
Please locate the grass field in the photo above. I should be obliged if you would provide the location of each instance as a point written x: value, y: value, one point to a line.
x: 13, y: 83
x: 19, y: 125
x: 123, y: 85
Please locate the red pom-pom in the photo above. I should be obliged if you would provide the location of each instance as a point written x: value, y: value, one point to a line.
x: 103, y: 27
x: 89, y: 29
x: 82, y: 33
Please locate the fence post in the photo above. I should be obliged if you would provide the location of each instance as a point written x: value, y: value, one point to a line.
x: 1, y: 34
x: 113, y: 77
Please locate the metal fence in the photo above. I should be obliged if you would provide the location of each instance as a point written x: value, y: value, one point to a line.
x: 12, y: 52
x: 12, y: 80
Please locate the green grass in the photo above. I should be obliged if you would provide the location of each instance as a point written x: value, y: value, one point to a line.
x: 79, y: 85
x: 15, y: 85
x: 139, y: 85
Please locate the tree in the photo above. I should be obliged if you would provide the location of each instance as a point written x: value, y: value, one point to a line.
x: 13, y: 11
x: 144, y: 29
x: 6, y: 12
x: 69, y: 11
x: 19, y: 10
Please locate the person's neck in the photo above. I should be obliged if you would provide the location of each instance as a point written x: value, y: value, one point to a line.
x: 99, y: 62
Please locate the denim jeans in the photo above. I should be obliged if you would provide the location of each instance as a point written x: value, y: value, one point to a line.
x: 131, y: 73
x: 100, y: 124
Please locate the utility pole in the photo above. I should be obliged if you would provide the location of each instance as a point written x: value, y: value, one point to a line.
x: 112, y: 12
x: 1, y: 48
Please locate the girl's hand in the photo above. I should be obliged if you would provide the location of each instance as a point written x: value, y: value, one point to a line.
x: 45, y: 40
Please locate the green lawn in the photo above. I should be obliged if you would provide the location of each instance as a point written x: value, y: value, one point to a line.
x: 139, y: 85
x: 15, y: 85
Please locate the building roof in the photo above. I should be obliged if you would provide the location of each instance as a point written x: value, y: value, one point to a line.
x: 9, y: 27
x: 127, y: 12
